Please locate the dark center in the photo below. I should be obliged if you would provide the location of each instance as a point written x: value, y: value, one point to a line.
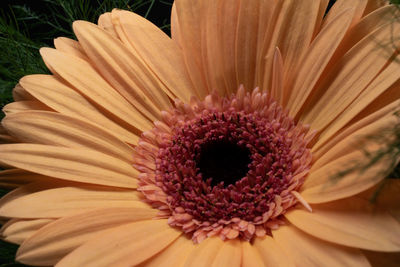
x: 223, y: 161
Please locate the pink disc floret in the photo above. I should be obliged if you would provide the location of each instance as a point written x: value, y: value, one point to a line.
x: 172, y: 180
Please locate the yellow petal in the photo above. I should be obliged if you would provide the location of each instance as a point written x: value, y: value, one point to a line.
x: 306, y: 250
x: 126, y: 245
x: 352, y: 222
x: 71, y: 164
x: 50, y: 128
x: 70, y: 47
x: 63, y: 99
x: 203, y: 255
x: 88, y: 82
x: 18, y: 230
x: 230, y: 254
x: 159, y: 52
x: 250, y: 256
x: 272, y: 253
x: 51, y: 243
x: 174, y: 255
x: 55, y: 200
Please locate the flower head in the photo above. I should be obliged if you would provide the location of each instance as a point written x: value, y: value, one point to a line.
x: 219, y: 146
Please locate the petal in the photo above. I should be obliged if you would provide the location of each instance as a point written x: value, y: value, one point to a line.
x: 40, y: 200
x: 53, y: 242
x: 22, y: 106
x: 204, y: 253
x: 388, y: 77
x: 15, y: 177
x: 308, y: 251
x: 250, y: 256
x: 355, y: 141
x: 122, y: 69
x: 382, y: 114
x: 345, y: 177
x: 230, y: 254
x: 189, y: 15
x: 17, y: 230
x: 271, y: 253
x: 20, y: 94
x: 70, y: 164
x: 379, y: 259
x: 51, y: 128
x: 316, y: 59
x: 70, y: 47
x: 142, y: 239
x: 351, y: 222
x: 89, y: 83
x: 159, y: 52
x: 386, y: 196
x: 50, y: 90
x: 105, y: 22
x: 340, y: 5
x: 351, y: 75
x: 174, y: 255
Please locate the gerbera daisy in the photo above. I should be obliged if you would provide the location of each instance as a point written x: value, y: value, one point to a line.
x: 219, y: 146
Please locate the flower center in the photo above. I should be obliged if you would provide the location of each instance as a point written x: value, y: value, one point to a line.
x: 223, y: 161
x: 224, y: 166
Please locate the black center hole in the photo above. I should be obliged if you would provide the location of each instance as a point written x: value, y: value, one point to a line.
x: 223, y: 161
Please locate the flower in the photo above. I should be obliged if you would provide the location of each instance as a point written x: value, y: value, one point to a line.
x: 218, y: 147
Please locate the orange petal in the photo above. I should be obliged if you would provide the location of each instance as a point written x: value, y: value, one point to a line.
x: 22, y: 106
x: 340, y: 5
x: 374, y: 4
x: 122, y: 69
x: 40, y: 200
x: 386, y: 196
x: 89, y: 83
x: 250, y: 256
x: 204, y: 253
x: 50, y: 128
x: 316, y: 59
x: 105, y: 22
x: 189, y: 17
x: 356, y: 142
x: 70, y: 46
x: 70, y: 164
x: 12, y: 178
x: 20, y: 94
x: 62, y: 98
x: 51, y: 243
x: 379, y: 259
x: 159, y: 52
x: 306, y: 250
x: 351, y: 75
x: 352, y: 222
x: 135, y: 243
x: 345, y: 177
x: 271, y: 253
x: 18, y: 230
x: 230, y: 254
x: 174, y: 255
